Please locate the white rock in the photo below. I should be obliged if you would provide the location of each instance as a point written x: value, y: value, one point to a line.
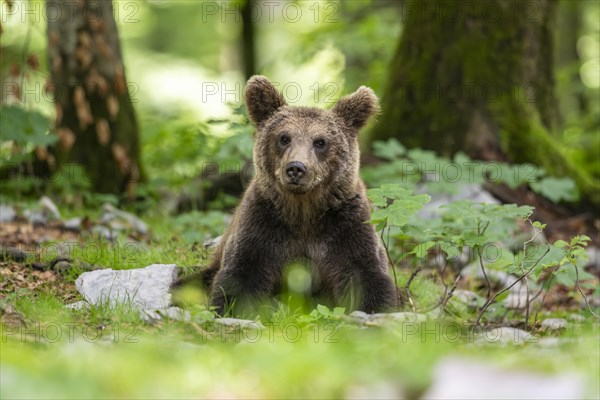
x: 467, y: 297
x: 554, y: 324
x: 576, y: 318
x: 104, y: 232
x: 456, y: 378
x: 49, y: 207
x: 7, y: 213
x: 517, y: 297
x: 36, y: 218
x: 473, y: 270
x: 380, y: 319
x: 239, y: 323
x: 73, y: 224
x: 112, y: 215
x: 358, y: 316
x: 144, y: 288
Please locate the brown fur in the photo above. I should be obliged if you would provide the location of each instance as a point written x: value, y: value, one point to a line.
x: 321, y: 218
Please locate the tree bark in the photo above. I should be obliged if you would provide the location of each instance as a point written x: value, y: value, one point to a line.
x: 95, y: 119
x: 248, y: 41
x: 478, y: 77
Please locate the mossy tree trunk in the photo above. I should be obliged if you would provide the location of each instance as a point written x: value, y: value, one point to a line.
x: 477, y: 77
x: 95, y: 119
x: 248, y: 37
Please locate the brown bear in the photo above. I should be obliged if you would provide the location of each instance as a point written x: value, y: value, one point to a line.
x: 306, y: 202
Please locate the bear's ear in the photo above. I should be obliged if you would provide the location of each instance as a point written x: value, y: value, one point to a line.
x: 356, y: 108
x: 262, y: 99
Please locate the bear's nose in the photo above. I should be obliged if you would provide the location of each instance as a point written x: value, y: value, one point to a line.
x: 295, y: 170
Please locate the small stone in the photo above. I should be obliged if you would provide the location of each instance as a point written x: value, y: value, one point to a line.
x: 358, y: 316
x: 73, y: 224
x: 112, y: 215
x: 473, y: 271
x: 104, y: 232
x: 506, y: 335
x: 517, y: 297
x: 381, y: 319
x: 7, y: 213
x: 239, y: 323
x: 36, y: 218
x: 576, y: 318
x: 78, y: 305
x: 177, y: 314
x: 117, y: 226
x: 554, y: 324
x: 62, y: 266
x: 49, y: 208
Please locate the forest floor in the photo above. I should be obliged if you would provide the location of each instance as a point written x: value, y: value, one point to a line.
x: 51, y: 351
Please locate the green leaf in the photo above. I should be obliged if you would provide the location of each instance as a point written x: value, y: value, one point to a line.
x: 403, y: 207
x: 25, y: 126
x: 339, y: 311
x: 557, y: 189
x: 561, y: 243
x: 503, y: 296
x: 390, y: 150
x: 421, y: 249
x: 538, y: 224
x: 323, y: 310
x: 452, y: 250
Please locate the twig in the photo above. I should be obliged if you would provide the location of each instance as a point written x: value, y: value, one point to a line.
x: 527, y: 301
x: 412, y: 277
x: 527, y: 298
x: 545, y: 294
x: 581, y: 291
x: 487, y: 281
x: 490, y: 301
x: 407, y: 287
x: 451, y: 292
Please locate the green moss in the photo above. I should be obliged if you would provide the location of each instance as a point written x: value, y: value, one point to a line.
x: 454, y: 79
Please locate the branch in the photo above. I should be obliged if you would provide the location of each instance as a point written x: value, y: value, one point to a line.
x: 490, y: 301
x: 581, y: 291
x: 487, y: 281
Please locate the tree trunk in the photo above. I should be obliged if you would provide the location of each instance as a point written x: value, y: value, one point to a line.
x: 95, y: 119
x: 478, y: 77
x: 248, y: 40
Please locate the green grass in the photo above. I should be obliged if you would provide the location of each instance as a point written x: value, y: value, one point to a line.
x: 137, y: 361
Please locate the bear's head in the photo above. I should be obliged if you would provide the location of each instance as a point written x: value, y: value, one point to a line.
x: 302, y: 150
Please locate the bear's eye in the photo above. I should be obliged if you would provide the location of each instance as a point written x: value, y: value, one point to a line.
x: 284, y: 139
x: 319, y: 143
